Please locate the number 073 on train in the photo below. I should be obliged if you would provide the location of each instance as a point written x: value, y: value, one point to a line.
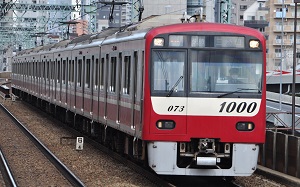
x: 187, y: 98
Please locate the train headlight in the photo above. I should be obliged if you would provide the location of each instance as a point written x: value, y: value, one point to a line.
x: 165, y: 124
x: 158, y: 42
x: 254, y: 44
x: 245, y: 126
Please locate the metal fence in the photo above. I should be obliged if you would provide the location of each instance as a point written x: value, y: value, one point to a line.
x: 281, y: 152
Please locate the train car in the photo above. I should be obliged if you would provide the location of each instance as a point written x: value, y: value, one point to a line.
x: 186, y: 98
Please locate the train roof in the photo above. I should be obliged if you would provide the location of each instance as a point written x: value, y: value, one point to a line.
x: 61, y: 44
x: 81, y: 38
x: 140, y: 29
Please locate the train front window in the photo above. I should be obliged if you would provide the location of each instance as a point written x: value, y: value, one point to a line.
x: 168, y: 71
x: 225, y: 71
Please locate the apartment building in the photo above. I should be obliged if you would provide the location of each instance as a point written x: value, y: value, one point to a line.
x: 238, y: 8
x: 120, y: 15
x: 280, y: 34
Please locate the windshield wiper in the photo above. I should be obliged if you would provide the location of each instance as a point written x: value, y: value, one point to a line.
x: 173, y: 88
x: 238, y: 90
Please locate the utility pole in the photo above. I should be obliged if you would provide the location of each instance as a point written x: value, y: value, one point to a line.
x: 223, y: 11
x: 294, y: 70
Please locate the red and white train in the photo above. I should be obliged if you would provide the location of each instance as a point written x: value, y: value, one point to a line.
x: 158, y: 92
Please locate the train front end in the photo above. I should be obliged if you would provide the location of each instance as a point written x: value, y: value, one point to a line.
x: 204, y: 102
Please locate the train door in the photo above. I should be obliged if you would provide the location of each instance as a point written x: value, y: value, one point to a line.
x: 102, y: 95
x: 78, y: 84
x: 118, y: 89
x: 58, y: 81
x: 54, y: 80
x: 113, y: 88
x: 140, y: 92
x: 63, y: 90
x: 133, y: 96
x: 32, y: 65
x: 105, y: 90
x: 87, y: 89
x: 43, y: 78
x: 72, y: 90
x: 92, y: 79
x: 47, y: 77
x: 95, y: 85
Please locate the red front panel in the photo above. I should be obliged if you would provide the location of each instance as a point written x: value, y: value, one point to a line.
x: 202, y: 117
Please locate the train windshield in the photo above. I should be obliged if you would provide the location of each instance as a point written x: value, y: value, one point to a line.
x: 225, y: 71
x: 210, y: 71
x: 168, y: 71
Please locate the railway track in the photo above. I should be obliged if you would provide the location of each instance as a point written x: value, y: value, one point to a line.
x: 139, y: 167
x: 84, y: 163
x: 154, y: 179
x: 68, y: 174
x: 6, y: 174
x: 147, y: 174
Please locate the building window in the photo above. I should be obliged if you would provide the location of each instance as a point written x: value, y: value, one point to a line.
x: 243, y: 7
x: 241, y: 17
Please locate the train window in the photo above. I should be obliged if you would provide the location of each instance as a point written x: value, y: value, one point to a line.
x: 52, y: 70
x: 72, y: 71
x: 225, y: 71
x: 39, y: 69
x: 135, y: 72
x: 44, y: 70
x: 87, y: 73
x: 176, y: 40
x: 33, y: 69
x: 198, y: 41
x: 126, y: 80
x: 229, y: 41
x: 113, y: 74
x: 48, y: 71
x: 58, y: 72
x: 69, y: 72
x: 96, y: 74
x: 79, y: 70
x: 64, y: 64
x: 168, y: 71
x: 101, y: 81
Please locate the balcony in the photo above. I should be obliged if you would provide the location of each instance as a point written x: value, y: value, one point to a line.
x: 277, y: 42
x: 279, y: 2
x: 277, y: 55
x: 289, y: 14
x: 286, y: 28
x: 286, y: 42
x: 256, y: 23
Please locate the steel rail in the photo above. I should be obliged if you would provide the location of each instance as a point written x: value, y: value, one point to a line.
x: 6, y: 173
x: 68, y: 174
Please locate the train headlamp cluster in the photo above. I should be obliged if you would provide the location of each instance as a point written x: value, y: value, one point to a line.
x: 159, y: 42
x: 245, y: 126
x: 254, y: 44
x: 165, y: 124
